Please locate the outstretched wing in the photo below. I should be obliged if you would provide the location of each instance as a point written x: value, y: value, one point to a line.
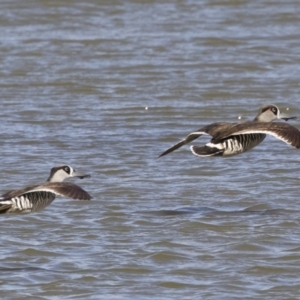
x: 192, y: 136
x: 212, y: 130
x: 65, y: 189
x: 283, y: 131
x: 17, y: 193
x: 26, y: 202
x: 38, y: 197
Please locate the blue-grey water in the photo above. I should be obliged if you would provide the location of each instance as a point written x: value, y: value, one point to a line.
x: 106, y: 86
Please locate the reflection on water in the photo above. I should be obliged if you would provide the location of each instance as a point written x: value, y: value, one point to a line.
x: 75, y: 81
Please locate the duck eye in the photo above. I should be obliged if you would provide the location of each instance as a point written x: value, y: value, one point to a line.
x: 274, y: 110
x: 67, y: 169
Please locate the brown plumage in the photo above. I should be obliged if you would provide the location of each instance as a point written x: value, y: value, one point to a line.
x: 234, y: 138
x: 37, y: 197
x: 65, y: 189
x: 283, y: 131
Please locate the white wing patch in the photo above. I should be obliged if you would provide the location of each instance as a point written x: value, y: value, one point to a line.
x: 249, y: 131
x: 218, y: 146
x: 43, y: 189
x: 18, y: 204
x: 21, y: 203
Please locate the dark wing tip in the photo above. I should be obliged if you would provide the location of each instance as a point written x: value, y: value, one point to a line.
x: 174, y: 147
x: 192, y: 136
x: 81, y: 194
x: 85, y: 196
x: 69, y: 190
x: 165, y: 153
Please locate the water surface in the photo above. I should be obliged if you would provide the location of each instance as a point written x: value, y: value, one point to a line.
x: 76, y: 79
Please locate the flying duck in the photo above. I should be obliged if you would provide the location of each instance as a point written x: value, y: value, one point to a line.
x: 235, y: 138
x: 37, y: 197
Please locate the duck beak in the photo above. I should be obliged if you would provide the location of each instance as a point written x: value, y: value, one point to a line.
x: 80, y: 175
x: 286, y: 117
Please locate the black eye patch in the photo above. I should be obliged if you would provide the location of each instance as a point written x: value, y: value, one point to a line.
x: 271, y: 108
x: 67, y: 169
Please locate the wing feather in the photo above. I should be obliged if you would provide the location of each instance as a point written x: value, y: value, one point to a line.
x: 17, y: 193
x: 192, y: 136
x: 213, y: 130
x: 282, y: 131
x: 66, y: 189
